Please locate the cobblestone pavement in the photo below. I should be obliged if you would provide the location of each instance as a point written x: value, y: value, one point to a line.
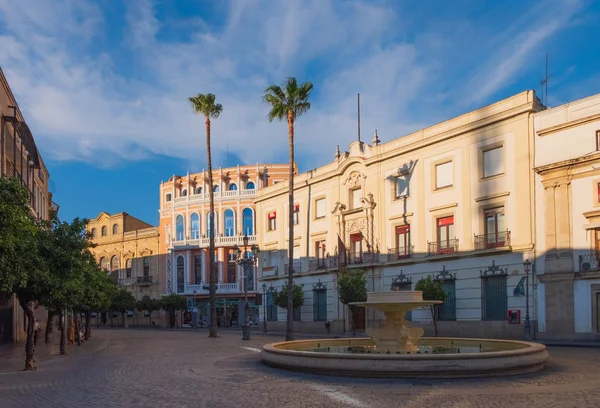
x: 135, y: 368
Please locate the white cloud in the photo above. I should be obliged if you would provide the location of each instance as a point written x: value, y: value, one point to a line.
x: 87, y: 95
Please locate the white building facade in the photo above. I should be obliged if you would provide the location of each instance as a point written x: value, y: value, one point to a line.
x: 454, y: 201
x: 567, y: 166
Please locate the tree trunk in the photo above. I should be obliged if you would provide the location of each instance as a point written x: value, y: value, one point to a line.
x: 435, y: 329
x: 88, y: 325
x: 63, y: 331
x: 30, y: 360
x: 123, y: 317
x: 289, y: 329
x: 211, y: 239
x: 77, y: 332
x: 353, y: 320
x: 49, y: 327
x: 150, y: 319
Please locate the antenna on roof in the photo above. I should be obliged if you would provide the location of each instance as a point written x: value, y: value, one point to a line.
x: 359, y: 118
x: 544, y: 84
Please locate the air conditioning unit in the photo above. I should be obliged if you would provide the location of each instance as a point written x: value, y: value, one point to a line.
x: 585, y: 266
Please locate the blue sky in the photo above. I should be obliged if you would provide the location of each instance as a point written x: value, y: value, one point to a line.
x: 104, y: 84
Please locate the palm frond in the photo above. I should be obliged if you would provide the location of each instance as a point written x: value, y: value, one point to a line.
x: 204, y: 104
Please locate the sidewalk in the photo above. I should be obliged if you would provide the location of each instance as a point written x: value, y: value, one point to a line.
x: 570, y: 343
x: 12, y: 357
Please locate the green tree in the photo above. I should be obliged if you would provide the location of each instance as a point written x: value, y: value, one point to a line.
x: 63, y: 249
x: 22, y: 272
x: 281, y: 299
x: 122, y: 302
x: 432, y: 290
x: 205, y: 105
x: 149, y: 305
x: 288, y: 104
x: 172, y: 303
x: 352, y: 287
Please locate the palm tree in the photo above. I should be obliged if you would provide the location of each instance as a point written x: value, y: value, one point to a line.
x: 204, y: 105
x: 289, y: 103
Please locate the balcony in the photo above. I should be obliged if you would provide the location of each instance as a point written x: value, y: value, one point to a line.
x: 296, y: 265
x: 144, y: 280
x: 442, y: 247
x: 396, y: 254
x: 203, y: 288
x: 218, y: 196
x: 589, y: 262
x: 491, y: 241
x: 268, y: 271
x: 220, y: 241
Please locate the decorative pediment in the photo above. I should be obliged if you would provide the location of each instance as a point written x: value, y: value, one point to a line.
x: 445, y: 275
x: 319, y: 286
x: 355, y: 179
x: 356, y: 225
x: 145, y: 252
x: 400, y: 280
x: 494, y: 270
x: 368, y: 201
x: 129, y: 254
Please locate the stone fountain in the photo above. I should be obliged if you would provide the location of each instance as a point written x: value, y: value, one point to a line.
x: 394, y: 336
x: 396, y: 350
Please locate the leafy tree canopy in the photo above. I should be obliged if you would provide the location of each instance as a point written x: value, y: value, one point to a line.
x: 352, y: 286
x: 123, y: 301
x: 281, y: 298
x: 148, y: 304
x: 173, y: 302
x: 431, y: 288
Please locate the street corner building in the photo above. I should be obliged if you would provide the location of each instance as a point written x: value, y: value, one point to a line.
x: 129, y: 249
x: 185, y: 224
x: 21, y: 159
x: 567, y: 167
x: 454, y: 201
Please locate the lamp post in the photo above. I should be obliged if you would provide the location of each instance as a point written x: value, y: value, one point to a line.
x: 527, y: 266
x: 246, y: 260
x: 264, y: 299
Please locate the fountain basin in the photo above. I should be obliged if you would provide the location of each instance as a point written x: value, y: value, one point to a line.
x: 498, y: 357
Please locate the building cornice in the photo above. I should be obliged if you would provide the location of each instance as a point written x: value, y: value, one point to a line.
x: 567, y: 125
x: 566, y: 167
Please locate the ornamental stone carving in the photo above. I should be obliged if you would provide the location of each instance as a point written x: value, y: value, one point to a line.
x: 355, y: 179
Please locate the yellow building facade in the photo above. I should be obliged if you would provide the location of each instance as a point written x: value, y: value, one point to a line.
x: 21, y: 159
x: 454, y: 201
x: 129, y: 249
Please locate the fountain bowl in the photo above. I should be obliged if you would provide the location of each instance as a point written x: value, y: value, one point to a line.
x: 498, y: 358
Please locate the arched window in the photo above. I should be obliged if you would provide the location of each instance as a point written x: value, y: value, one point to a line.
x: 195, y: 226
x: 180, y: 272
x: 104, y: 264
x: 184, y: 192
x: 114, y: 263
x: 229, y: 223
x: 247, y: 221
x: 104, y: 231
x: 216, y: 227
x: 250, y: 185
x: 199, y: 190
x: 115, y: 229
x: 128, y: 268
x: 93, y: 232
x: 147, y: 266
x: 216, y: 189
x: 179, y: 228
x: 232, y: 187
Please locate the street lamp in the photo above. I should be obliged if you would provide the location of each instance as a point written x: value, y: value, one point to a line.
x: 246, y: 260
x: 264, y: 299
x: 527, y: 266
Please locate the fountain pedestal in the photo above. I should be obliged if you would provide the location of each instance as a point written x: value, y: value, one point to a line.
x: 394, y: 336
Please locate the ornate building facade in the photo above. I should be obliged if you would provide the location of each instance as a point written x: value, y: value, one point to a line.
x: 454, y: 201
x: 567, y: 167
x: 128, y: 249
x: 184, y: 223
x: 21, y: 159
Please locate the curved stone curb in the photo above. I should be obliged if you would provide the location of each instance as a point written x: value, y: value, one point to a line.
x: 529, y: 357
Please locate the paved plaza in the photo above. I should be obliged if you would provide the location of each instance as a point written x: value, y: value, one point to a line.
x: 151, y: 368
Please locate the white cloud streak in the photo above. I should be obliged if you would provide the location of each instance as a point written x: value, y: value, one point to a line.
x: 87, y: 95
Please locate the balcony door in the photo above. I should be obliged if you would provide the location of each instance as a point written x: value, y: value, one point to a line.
x: 356, y: 247
x: 495, y: 228
x: 445, y: 234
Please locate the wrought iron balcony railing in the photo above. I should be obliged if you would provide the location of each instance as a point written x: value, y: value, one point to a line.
x: 144, y: 280
x: 589, y: 262
x: 395, y: 254
x: 448, y: 246
x: 489, y: 241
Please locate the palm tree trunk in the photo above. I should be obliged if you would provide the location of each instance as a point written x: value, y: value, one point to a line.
x: 211, y: 239
x: 289, y: 330
x: 49, y: 326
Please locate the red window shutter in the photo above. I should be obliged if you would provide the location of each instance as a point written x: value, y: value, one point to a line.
x: 272, y: 215
x: 402, y: 229
x: 445, y: 221
x: 297, y: 208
